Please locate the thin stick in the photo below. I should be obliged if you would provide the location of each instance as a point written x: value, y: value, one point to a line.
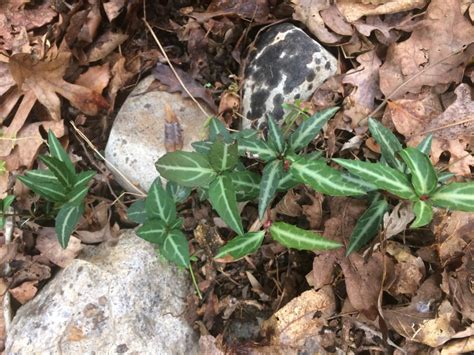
x: 194, y: 281
x: 206, y: 114
x: 467, y: 120
x: 140, y: 192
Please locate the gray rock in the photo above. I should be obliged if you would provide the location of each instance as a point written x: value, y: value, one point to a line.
x: 285, y: 65
x: 114, y: 299
x: 137, y: 137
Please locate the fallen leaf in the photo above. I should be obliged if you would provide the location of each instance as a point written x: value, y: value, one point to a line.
x: 409, y: 270
x: 6, y: 80
x: 257, y: 10
x: 48, y: 245
x: 113, y: 8
x: 333, y: 19
x: 365, y: 80
x: 95, y: 78
x: 120, y: 77
x: 45, y: 79
x: 165, y: 76
x: 308, y: 12
x: 314, y: 212
x: 25, y: 292
x: 289, y: 205
x: 397, y: 221
x: 353, y: 10
x: 431, y: 47
x: 105, y: 44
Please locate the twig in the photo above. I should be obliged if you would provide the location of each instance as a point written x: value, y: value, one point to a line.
x: 467, y: 120
x: 206, y: 114
x: 140, y: 192
x: 7, y: 310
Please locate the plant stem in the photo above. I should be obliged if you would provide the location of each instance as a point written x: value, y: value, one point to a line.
x: 194, y: 282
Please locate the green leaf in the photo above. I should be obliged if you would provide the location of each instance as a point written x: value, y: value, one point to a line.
x: 247, y: 133
x: 423, y: 212
x: 323, y: 178
x: 256, y: 148
x: 186, y: 168
x: 217, y: 128
x: 382, y: 176
x: 306, y: 132
x: 175, y: 248
x: 389, y: 143
x: 425, y: 145
x: 223, y: 156
x: 136, y: 212
x: 367, y: 226
x: 177, y: 224
x: 57, y: 151
x: 288, y: 181
x: 153, y: 231
x: 242, y: 245
x: 77, y: 194
x: 246, y: 185
x: 293, y: 237
x: 159, y: 204
x: 271, y: 176
x: 66, y: 221
x: 178, y: 192
x: 202, y: 147
x: 59, y: 169
x: 357, y: 181
x: 275, y: 136
x: 423, y: 175
x: 54, y: 192
x: 458, y: 196
x: 203, y: 194
x: 445, y: 176
x: 42, y: 176
x: 83, y: 178
x: 223, y: 200
x: 7, y: 202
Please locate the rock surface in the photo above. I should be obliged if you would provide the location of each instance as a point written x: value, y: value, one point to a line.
x: 137, y: 137
x: 285, y: 65
x: 114, y: 299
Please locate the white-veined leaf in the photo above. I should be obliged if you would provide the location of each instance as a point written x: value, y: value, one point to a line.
x: 246, y: 133
x: 217, y: 128
x: 202, y: 147
x: 42, y: 176
x: 455, y: 196
x: 83, y: 178
x: 242, y: 245
x: 54, y: 192
x: 77, y: 194
x: 275, y: 136
x: 288, y: 181
x: 59, y: 169
x: 323, y: 178
x: 388, y: 142
x: 445, y: 176
x: 423, y: 212
x: 223, y: 200
x: 66, y: 221
x: 175, y: 248
x: 425, y: 144
x: 309, y: 128
x: 223, y: 156
x: 246, y: 185
x: 159, y: 204
x: 357, y: 181
x: 186, y: 168
x: 178, y: 192
x: 423, y: 175
x: 293, y: 237
x: 153, y: 231
x: 367, y: 226
x: 256, y: 148
x: 56, y: 150
x: 136, y: 212
x: 382, y: 176
x: 271, y: 176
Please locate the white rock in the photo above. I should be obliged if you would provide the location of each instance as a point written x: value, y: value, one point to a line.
x: 285, y: 65
x: 114, y: 299
x: 137, y: 137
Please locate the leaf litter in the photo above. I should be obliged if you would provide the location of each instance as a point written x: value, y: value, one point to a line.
x: 407, y: 289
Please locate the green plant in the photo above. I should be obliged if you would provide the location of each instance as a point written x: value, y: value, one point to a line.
x: 408, y: 174
x: 62, y: 186
x: 4, y: 206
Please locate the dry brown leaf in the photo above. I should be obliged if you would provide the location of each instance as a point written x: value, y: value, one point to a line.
x: 113, y: 8
x: 14, y: 16
x: 120, y: 76
x: 25, y: 292
x: 365, y: 80
x: 165, y: 76
x: 95, y: 78
x: 398, y: 220
x: 288, y: 205
x: 105, y: 44
x: 409, y: 270
x: 314, y: 212
x: 6, y: 80
x: 45, y: 79
x: 257, y: 10
x: 333, y: 19
x: 451, y: 129
x: 443, y: 32
x: 354, y: 10
x: 308, y: 12
x: 47, y: 243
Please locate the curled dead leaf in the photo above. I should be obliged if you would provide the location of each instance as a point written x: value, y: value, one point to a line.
x: 25, y: 292
x: 47, y: 243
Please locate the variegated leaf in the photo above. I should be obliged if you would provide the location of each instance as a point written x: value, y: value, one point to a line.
x: 66, y: 221
x: 223, y: 156
x: 388, y: 142
x: 256, y: 148
x: 423, y: 212
x: 175, y: 248
x: 59, y: 169
x: 271, y: 176
x: 246, y: 185
x: 54, y: 192
x: 159, y: 204
x: 153, y: 231
x: 136, y: 212
x: 275, y: 136
x: 56, y: 150
x: 423, y: 175
x: 242, y: 245
x: 456, y: 196
x: 83, y: 178
x: 425, y: 144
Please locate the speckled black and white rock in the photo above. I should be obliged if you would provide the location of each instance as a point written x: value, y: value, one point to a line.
x: 285, y: 65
